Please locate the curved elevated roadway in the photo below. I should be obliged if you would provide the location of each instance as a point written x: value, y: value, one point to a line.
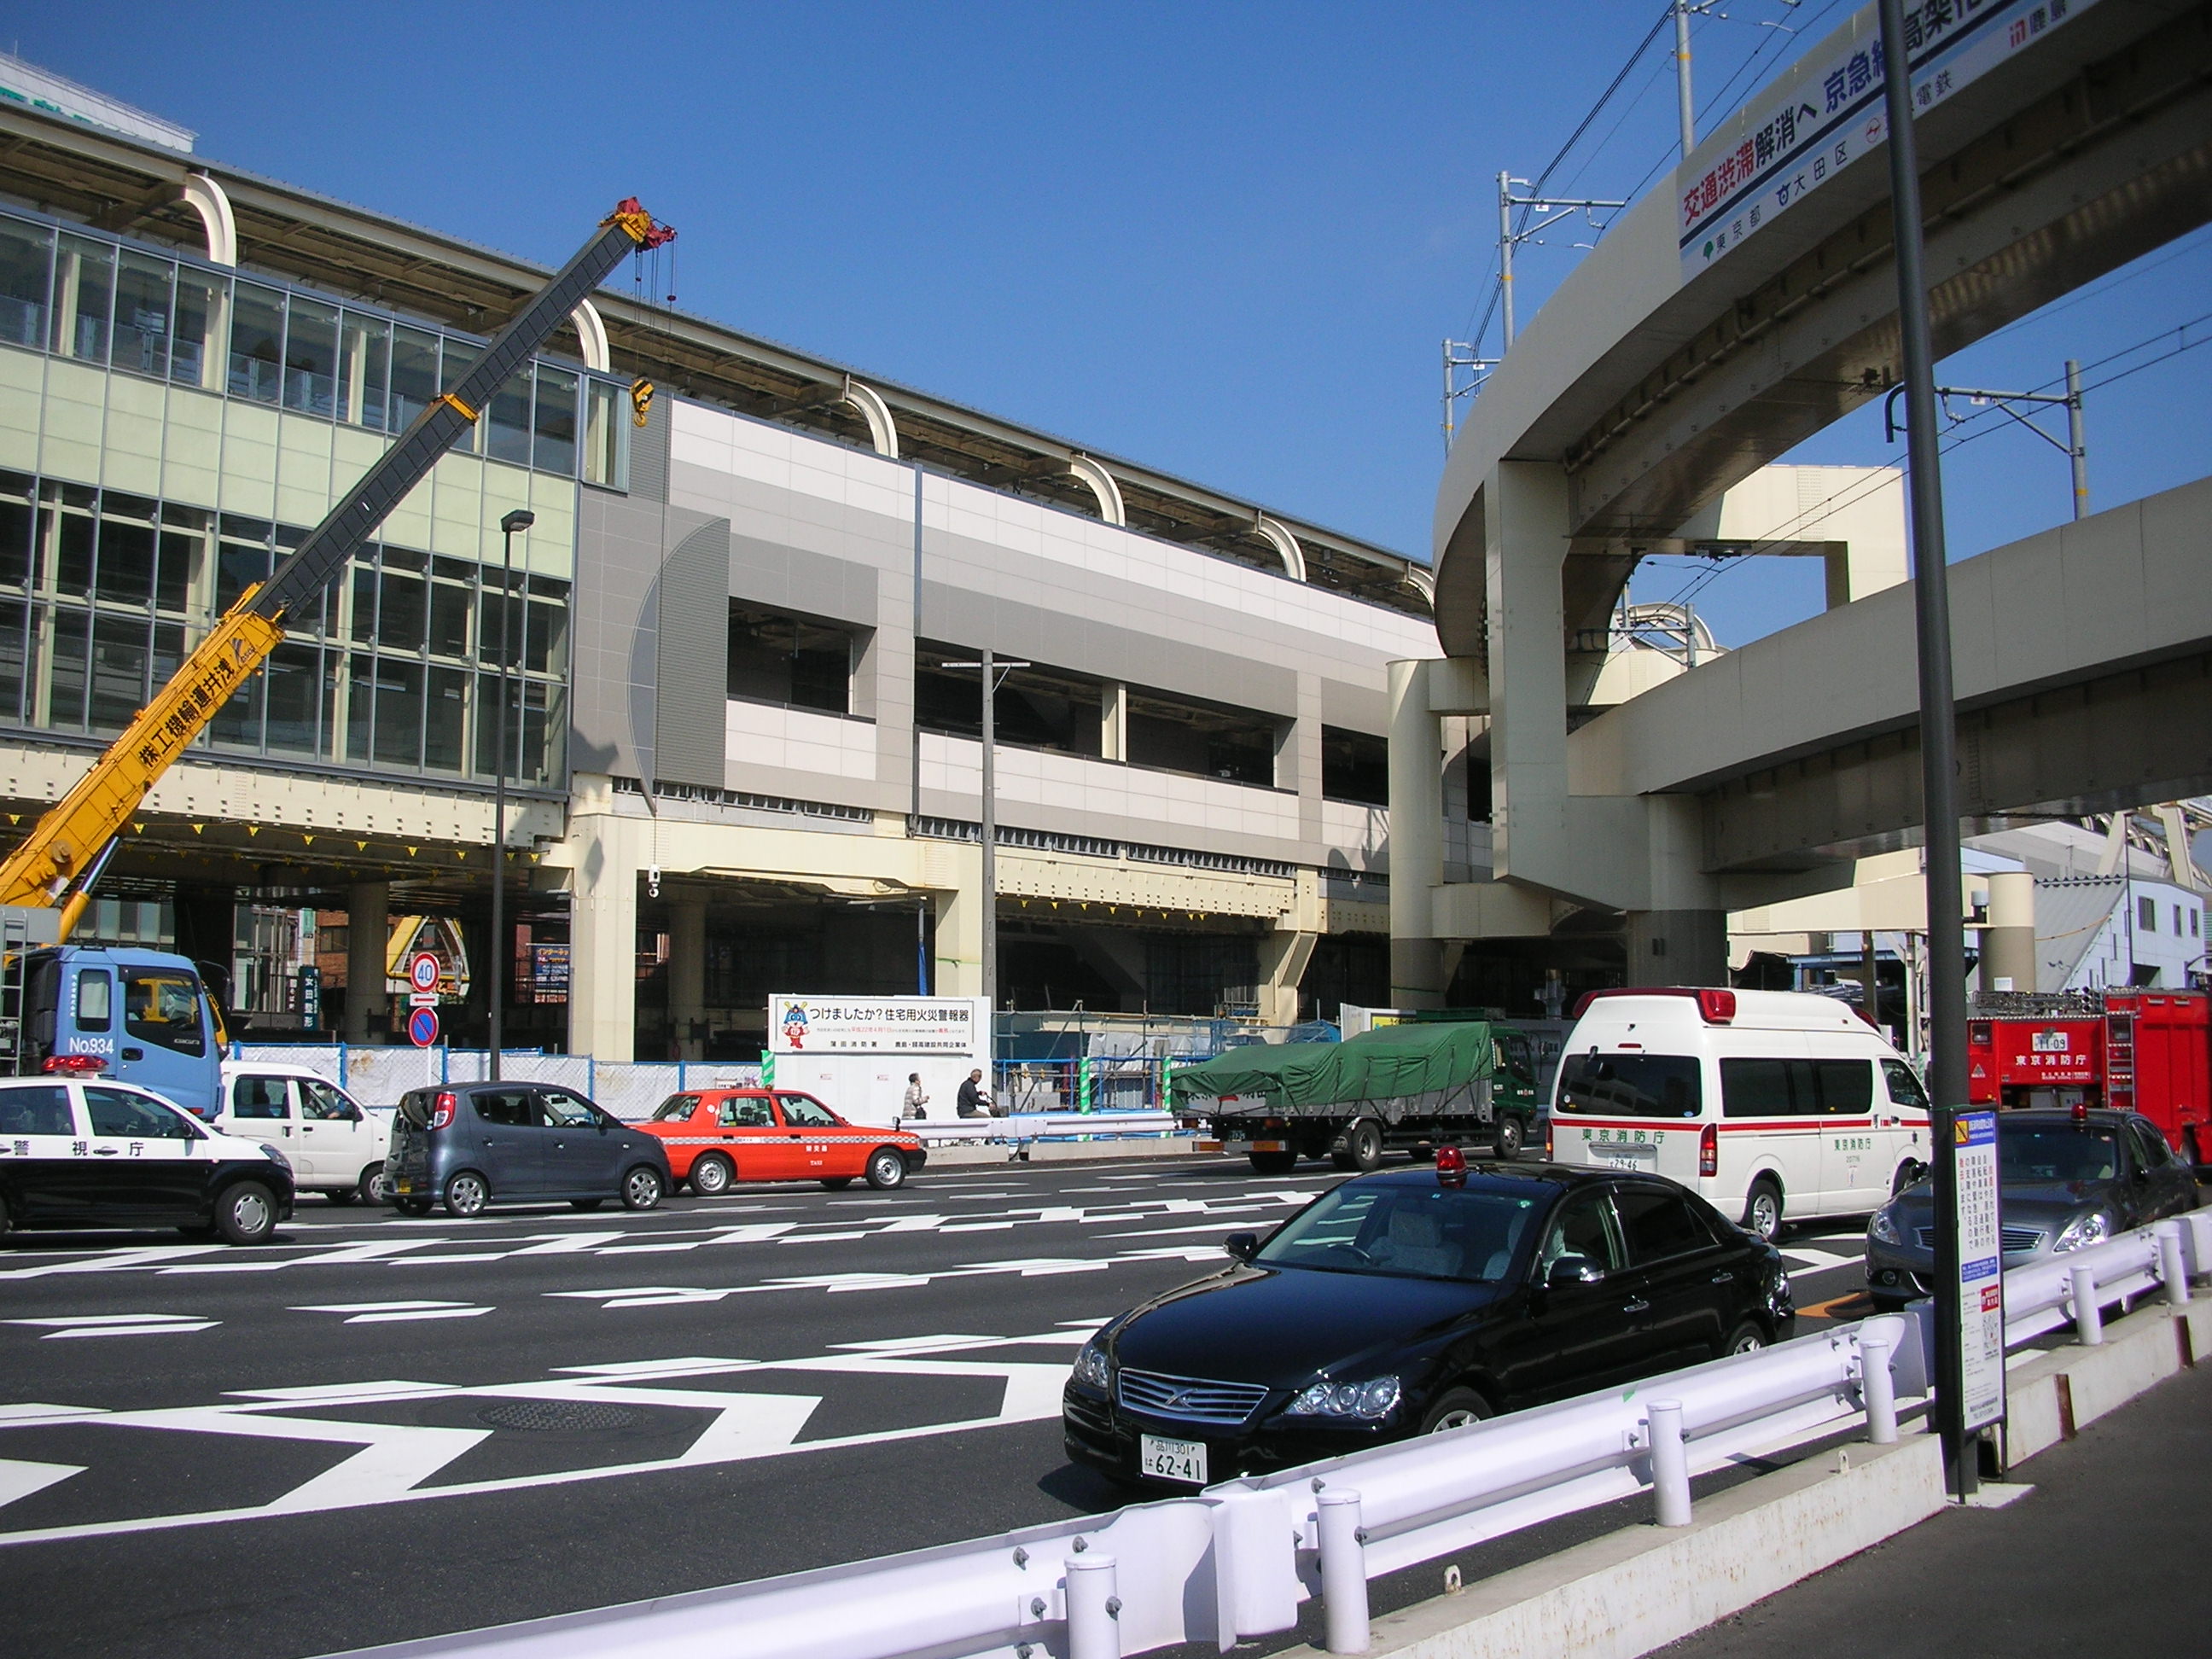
x: 1724, y: 319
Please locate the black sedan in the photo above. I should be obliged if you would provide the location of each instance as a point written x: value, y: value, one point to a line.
x: 2065, y: 1180
x: 1416, y: 1301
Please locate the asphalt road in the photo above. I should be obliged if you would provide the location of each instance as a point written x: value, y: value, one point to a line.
x: 379, y: 1428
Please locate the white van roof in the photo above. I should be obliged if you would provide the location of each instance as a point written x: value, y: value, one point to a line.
x: 1757, y: 1011
x: 232, y: 1069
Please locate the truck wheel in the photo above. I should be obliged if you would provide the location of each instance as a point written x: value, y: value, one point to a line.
x: 1273, y: 1164
x: 1507, y: 1140
x: 1363, y: 1144
x: 1424, y: 1154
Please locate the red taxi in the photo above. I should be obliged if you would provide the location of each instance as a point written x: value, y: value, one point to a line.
x: 715, y: 1136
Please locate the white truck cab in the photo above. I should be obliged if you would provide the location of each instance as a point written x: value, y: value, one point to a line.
x: 335, y: 1146
x: 1765, y: 1104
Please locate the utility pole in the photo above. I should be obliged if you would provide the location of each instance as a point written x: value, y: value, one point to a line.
x: 1947, y: 952
x: 1687, y: 109
x: 521, y: 519
x: 995, y: 673
x: 1559, y: 207
x: 2076, y: 448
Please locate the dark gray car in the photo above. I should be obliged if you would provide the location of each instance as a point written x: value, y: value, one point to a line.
x: 2065, y: 1182
x: 473, y: 1144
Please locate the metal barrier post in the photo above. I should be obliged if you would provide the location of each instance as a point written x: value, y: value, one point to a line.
x: 2172, y: 1270
x: 1670, y: 1464
x: 2089, y: 1317
x: 1343, y: 1573
x: 2199, y: 1226
x: 1094, y: 1611
x: 1878, y: 1389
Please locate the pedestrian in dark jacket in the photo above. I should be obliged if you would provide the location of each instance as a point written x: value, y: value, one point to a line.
x: 974, y: 1100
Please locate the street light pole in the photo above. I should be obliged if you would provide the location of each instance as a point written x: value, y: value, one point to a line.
x: 993, y: 672
x: 1683, y: 105
x: 520, y: 518
x: 1939, y: 776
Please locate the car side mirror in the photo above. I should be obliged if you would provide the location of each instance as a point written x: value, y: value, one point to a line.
x: 1571, y: 1271
x: 1242, y: 1246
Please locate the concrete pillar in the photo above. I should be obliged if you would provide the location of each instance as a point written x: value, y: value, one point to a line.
x: 602, y: 947
x: 1114, y: 721
x: 687, y: 976
x: 2008, y: 941
x: 1525, y: 519
x: 368, y: 928
x: 1677, y: 947
x: 1284, y: 955
x: 1417, y: 840
x: 958, y: 970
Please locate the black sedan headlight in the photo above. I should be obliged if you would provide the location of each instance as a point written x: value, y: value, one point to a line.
x: 2083, y: 1231
x: 1368, y: 1401
x: 1092, y: 1368
x: 1884, y: 1228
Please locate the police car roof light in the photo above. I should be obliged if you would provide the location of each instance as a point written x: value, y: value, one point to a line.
x: 76, y: 1063
x: 1451, y: 1167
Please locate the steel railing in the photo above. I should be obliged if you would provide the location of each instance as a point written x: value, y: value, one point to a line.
x: 1237, y: 1559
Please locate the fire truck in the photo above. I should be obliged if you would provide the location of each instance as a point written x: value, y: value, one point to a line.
x: 2147, y: 1051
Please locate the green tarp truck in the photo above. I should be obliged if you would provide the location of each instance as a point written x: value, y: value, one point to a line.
x: 1413, y: 1087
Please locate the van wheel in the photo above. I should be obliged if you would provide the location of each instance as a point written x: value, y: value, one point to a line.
x: 1762, y: 1209
x: 641, y: 1188
x: 1272, y: 1163
x: 1746, y: 1338
x: 411, y: 1205
x: 373, y: 1188
x: 1509, y: 1139
x: 710, y: 1176
x: 245, y: 1213
x: 886, y: 1169
x: 466, y: 1195
x: 342, y: 1194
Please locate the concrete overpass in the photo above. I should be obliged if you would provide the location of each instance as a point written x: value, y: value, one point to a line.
x: 1724, y: 319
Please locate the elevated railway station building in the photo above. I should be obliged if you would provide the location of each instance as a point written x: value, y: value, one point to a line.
x: 739, y: 761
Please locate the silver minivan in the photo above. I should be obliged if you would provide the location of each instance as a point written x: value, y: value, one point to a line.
x: 469, y: 1144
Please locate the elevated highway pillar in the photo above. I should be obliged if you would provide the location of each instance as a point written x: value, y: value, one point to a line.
x: 368, y: 924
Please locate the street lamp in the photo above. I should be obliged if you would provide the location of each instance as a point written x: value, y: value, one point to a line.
x: 520, y: 518
x: 994, y: 675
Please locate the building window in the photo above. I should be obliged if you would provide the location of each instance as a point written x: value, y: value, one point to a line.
x: 1355, y: 767
x: 1036, y: 707
x: 2146, y: 916
x: 1209, y: 740
x: 797, y: 661
x: 147, y: 313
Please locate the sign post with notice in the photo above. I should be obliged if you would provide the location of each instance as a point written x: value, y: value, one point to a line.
x: 1981, y: 1270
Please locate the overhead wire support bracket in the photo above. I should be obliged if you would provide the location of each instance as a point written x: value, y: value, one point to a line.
x: 2074, y: 447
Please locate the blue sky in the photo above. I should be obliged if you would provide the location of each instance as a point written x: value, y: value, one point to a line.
x: 1222, y: 240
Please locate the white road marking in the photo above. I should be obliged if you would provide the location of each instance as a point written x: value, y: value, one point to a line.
x: 394, y: 1459
x: 389, y: 1313
x: 20, y: 1479
x: 143, y: 1324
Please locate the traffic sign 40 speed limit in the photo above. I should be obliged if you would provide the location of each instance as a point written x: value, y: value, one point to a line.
x: 422, y: 971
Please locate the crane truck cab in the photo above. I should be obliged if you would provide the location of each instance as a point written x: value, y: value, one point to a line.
x: 138, y: 1017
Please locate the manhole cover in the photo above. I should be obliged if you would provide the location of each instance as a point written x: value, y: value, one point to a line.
x: 538, y: 1414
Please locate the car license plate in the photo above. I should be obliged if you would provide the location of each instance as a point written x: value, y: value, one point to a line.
x: 403, y: 1186
x: 1637, y: 1155
x: 1172, y: 1459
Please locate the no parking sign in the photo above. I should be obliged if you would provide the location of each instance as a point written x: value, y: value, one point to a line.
x: 422, y: 1027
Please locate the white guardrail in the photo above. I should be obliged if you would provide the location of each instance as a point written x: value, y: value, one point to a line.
x: 1236, y: 1560
x: 1020, y: 1127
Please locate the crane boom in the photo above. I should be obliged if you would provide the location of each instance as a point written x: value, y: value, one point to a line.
x: 66, y: 844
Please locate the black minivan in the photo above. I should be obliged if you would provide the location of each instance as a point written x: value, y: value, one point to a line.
x: 468, y: 1145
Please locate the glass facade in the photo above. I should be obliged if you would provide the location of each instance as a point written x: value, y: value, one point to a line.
x: 102, y: 593
x: 99, y: 302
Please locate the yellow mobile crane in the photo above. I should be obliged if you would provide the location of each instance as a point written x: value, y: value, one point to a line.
x: 57, y: 860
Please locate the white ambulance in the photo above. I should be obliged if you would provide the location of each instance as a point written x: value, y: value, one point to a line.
x: 1767, y: 1103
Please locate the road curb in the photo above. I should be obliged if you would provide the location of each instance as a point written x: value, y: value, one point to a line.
x: 1634, y: 1590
